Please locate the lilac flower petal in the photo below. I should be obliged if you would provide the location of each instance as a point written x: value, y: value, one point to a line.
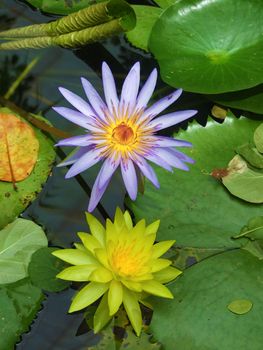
x: 74, y: 156
x: 171, y: 119
x: 76, y: 117
x: 162, y: 141
x: 97, y: 192
x: 83, y: 140
x: 147, y: 90
x: 129, y: 177
x: 109, y: 87
x: 130, y: 87
x: 94, y: 98
x: 182, y: 156
x: 77, y: 102
x: 107, y: 170
x: 171, y: 158
x: 154, y: 158
x: 147, y: 171
x: 85, y: 162
x: 162, y: 104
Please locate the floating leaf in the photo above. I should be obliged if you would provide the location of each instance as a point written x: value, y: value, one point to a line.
x: 164, y: 3
x: 146, y: 16
x: 240, y: 306
x: 254, y: 248
x: 18, y: 241
x: 19, y: 303
x: 253, y: 229
x: 62, y: 7
x: 132, y: 342
x: 13, y: 202
x: 243, y: 182
x: 199, y: 50
x: 258, y: 138
x: 43, y: 269
x: 194, y: 207
x: 251, y: 155
x: 18, y: 148
x: 198, y: 318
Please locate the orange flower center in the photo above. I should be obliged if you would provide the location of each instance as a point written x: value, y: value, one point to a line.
x: 123, y: 134
x: 124, y: 262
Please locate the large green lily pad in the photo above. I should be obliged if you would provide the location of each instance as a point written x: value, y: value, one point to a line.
x: 14, y: 200
x: 199, y: 318
x: 210, y: 46
x: 194, y: 207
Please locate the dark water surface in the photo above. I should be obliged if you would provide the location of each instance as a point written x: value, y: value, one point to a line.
x: 61, y: 205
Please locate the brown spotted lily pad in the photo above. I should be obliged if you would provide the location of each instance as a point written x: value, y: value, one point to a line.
x: 18, y: 148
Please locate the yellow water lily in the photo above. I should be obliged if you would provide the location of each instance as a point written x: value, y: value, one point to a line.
x: 121, y: 263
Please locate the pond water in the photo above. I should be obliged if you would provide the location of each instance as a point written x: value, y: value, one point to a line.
x: 60, y: 206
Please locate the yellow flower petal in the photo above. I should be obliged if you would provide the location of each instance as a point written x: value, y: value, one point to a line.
x: 80, y: 246
x: 102, y: 256
x: 160, y: 248
x: 152, y: 228
x: 167, y: 274
x: 78, y: 273
x: 119, y: 221
x: 89, y: 241
x: 156, y: 288
x: 144, y: 277
x: 128, y: 220
x: 101, y: 275
x: 135, y: 286
x: 115, y: 296
x: 160, y: 264
x: 138, y: 229
x: 102, y: 315
x: 75, y: 256
x: 96, y: 228
x: 133, y: 310
x: 87, y: 295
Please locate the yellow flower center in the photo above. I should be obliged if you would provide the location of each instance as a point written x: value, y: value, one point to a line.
x: 123, y: 134
x: 124, y: 262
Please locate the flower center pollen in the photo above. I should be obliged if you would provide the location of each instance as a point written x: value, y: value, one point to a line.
x: 123, y: 134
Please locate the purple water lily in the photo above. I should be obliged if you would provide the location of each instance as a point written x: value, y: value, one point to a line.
x: 122, y: 132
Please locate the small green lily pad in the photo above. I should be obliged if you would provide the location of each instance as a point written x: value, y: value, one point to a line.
x: 240, y: 306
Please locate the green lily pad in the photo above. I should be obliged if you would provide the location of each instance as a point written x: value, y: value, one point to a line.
x: 194, y: 207
x: 18, y: 241
x: 146, y: 16
x: 164, y: 3
x: 198, y: 318
x: 258, y: 138
x: 251, y: 155
x: 253, y: 229
x: 240, y: 306
x: 199, y: 49
x: 62, y: 7
x: 19, y: 303
x: 243, y: 182
x: 14, y: 201
x: 43, y: 269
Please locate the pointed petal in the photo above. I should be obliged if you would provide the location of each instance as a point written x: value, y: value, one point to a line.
x: 170, y: 119
x: 161, y: 247
x: 102, y: 314
x: 159, y: 161
x: 168, y: 274
x: 119, y: 221
x: 115, y: 296
x: 94, y: 98
x: 109, y: 88
x: 182, y: 156
x: 129, y: 178
x: 80, y: 273
x: 170, y: 158
x: 76, y: 118
x: 160, y: 264
x: 85, y: 162
x: 83, y: 140
x: 156, y: 288
x: 133, y: 310
x: 102, y: 257
x: 147, y: 171
x: 128, y: 220
x: 74, y: 256
x: 134, y: 286
x: 147, y: 90
x: 74, y: 156
x: 89, y: 241
x: 130, y: 87
x: 162, y: 141
x: 77, y: 102
x: 87, y: 295
x: 152, y: 228
x: 101, y: 275
x: 96, y: 228
x: 162, y: 104
x: 107, y: 170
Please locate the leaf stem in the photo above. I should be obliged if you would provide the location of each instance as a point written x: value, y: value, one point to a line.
x: 246, y: 232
